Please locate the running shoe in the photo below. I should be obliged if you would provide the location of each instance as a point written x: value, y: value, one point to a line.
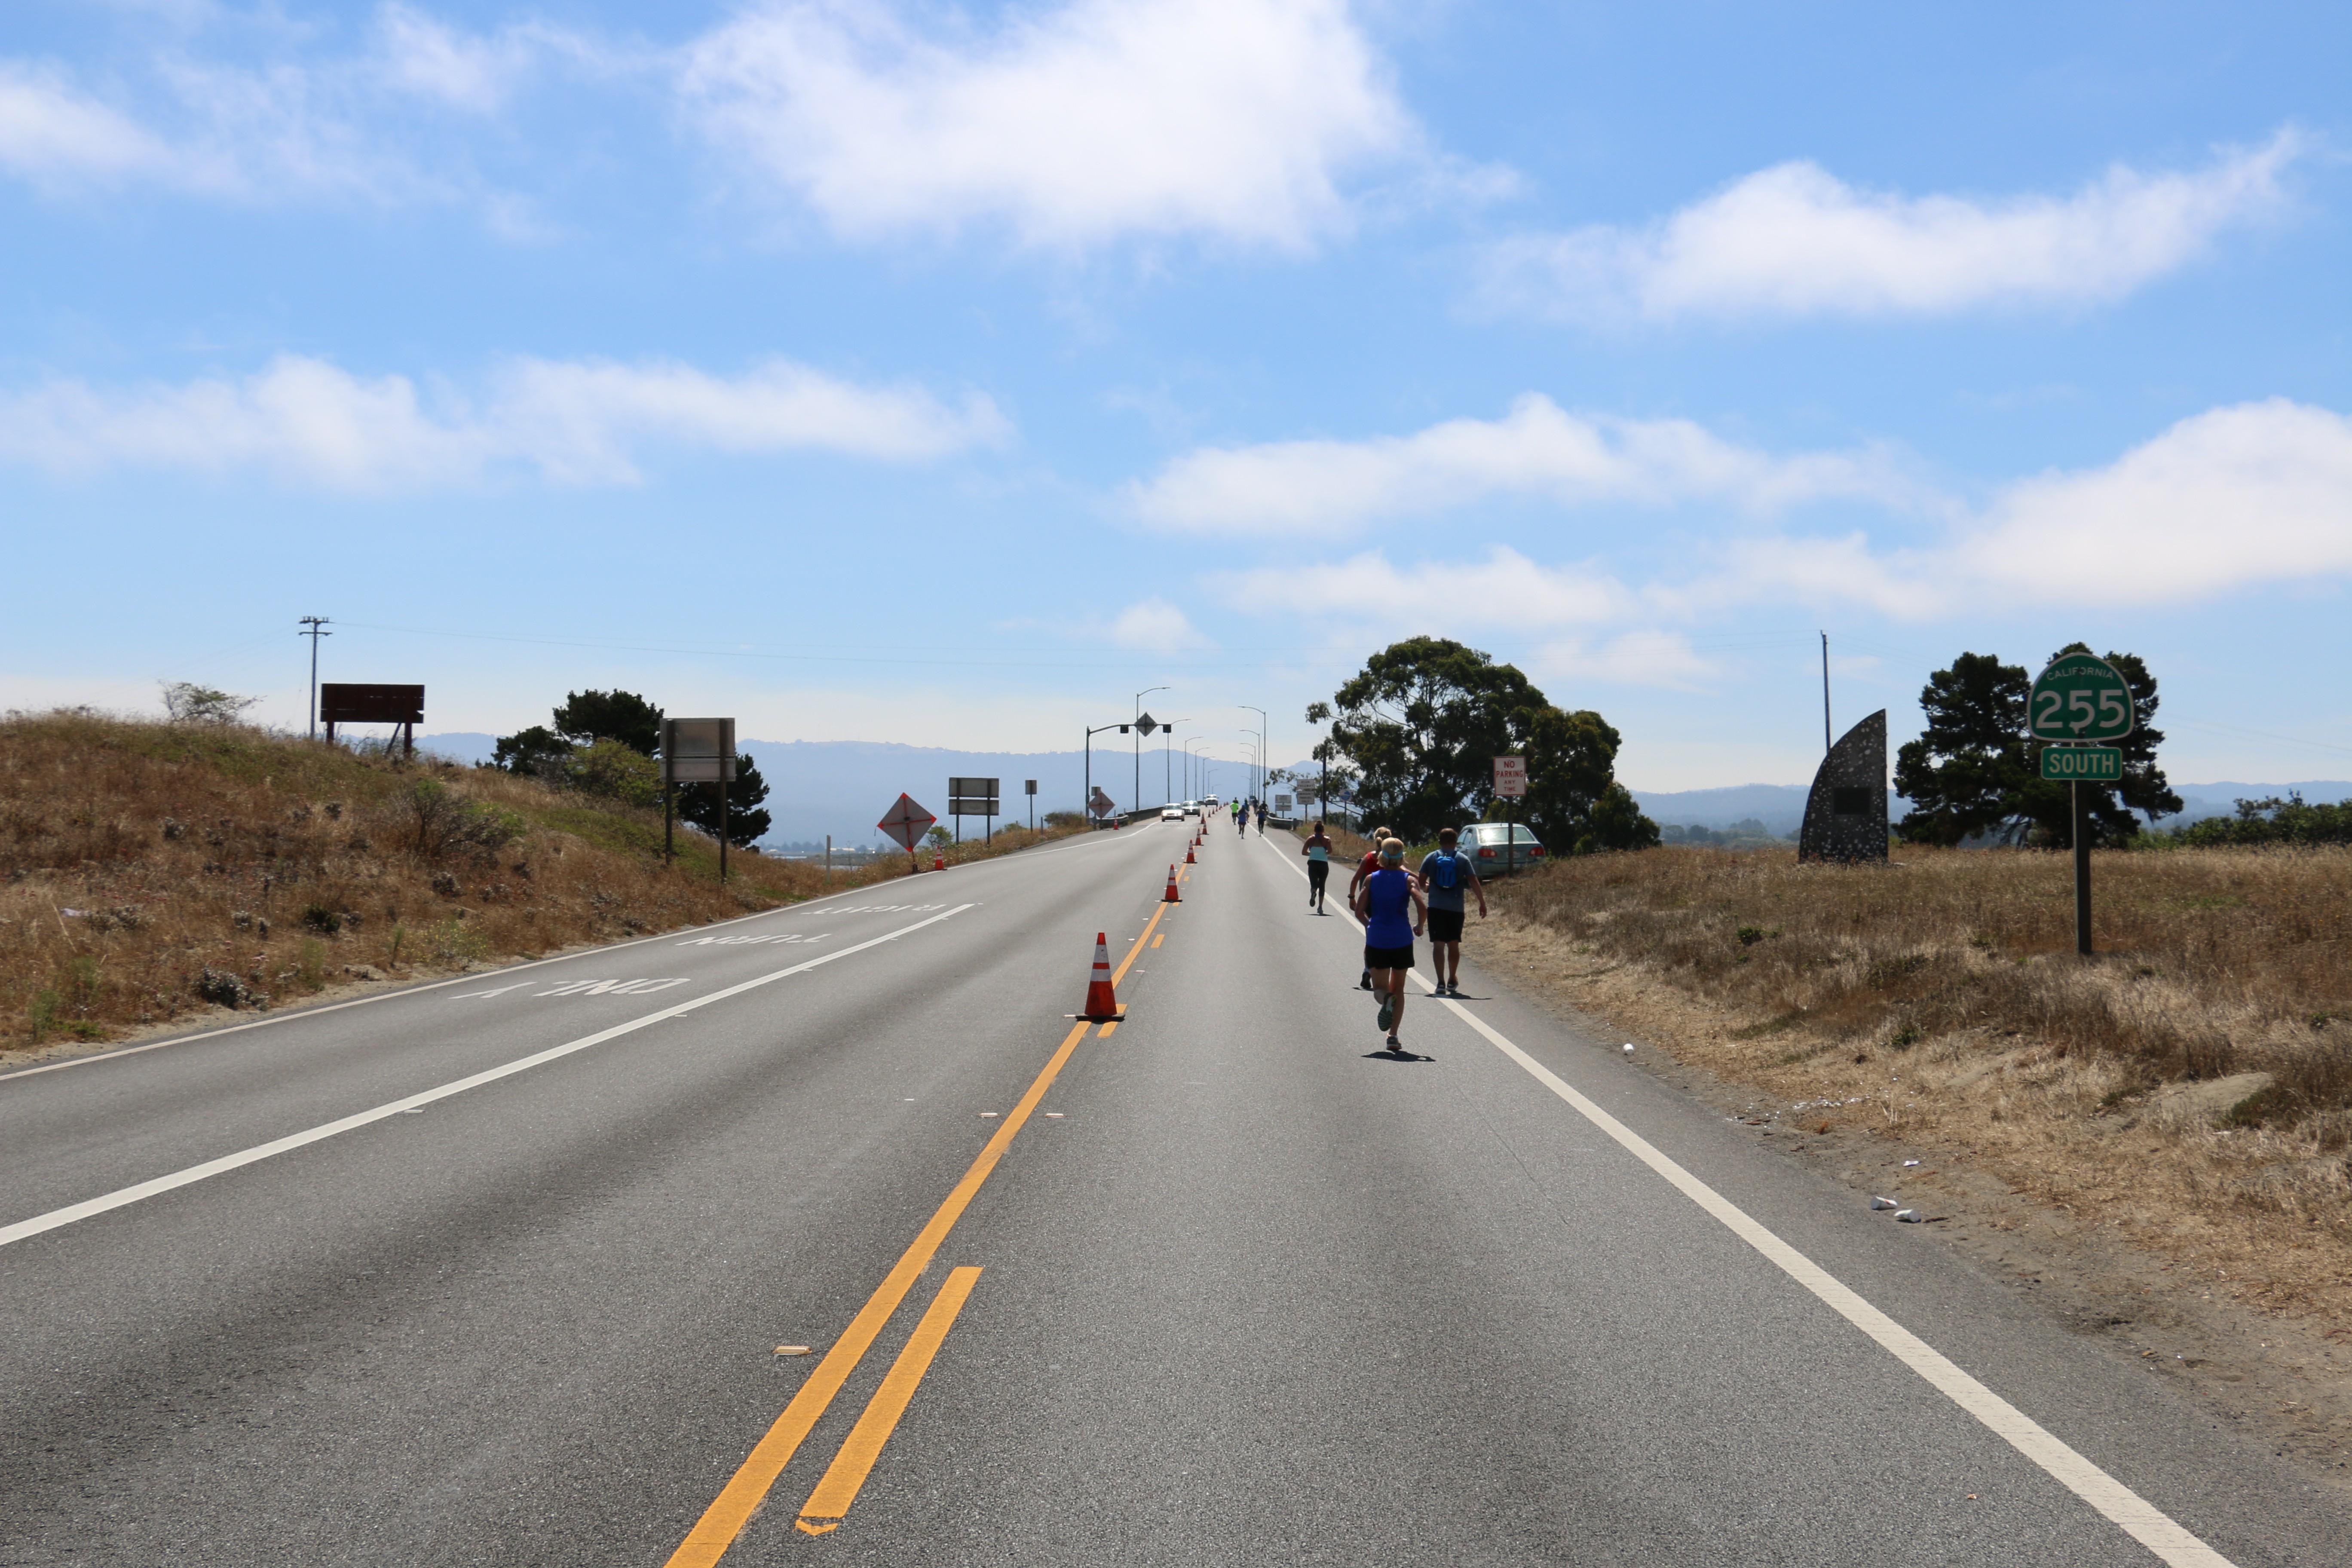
x: 1388, y: 1014
x: 1366, y: 983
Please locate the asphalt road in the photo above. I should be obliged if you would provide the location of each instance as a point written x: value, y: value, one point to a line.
x: 1227, y: 1285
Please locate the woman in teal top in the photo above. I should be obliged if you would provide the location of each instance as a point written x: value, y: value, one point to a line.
x: 1318, y: 867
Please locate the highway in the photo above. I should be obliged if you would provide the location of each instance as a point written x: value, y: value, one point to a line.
x: 496, y: 1270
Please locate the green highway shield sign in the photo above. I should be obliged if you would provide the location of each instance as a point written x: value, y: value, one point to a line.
x: 2079, y: 698
x: 2083, y: 764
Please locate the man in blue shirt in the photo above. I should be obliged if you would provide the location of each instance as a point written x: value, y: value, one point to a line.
x: 1445, y: 877
x: 1390, y: 907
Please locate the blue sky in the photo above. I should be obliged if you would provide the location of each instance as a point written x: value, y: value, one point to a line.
x: 945, y: 376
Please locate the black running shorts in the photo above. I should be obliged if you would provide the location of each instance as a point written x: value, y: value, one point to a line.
x: 1445, y: 925
x: 1389, y: 957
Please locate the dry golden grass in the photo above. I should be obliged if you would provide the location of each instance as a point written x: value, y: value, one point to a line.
x: 1939, y: 1000
x: 137, y: 857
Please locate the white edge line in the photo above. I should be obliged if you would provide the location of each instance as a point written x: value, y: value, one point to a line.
x: 2138, y: 1518
x: 297, y: 1014
x: 124, y: 1196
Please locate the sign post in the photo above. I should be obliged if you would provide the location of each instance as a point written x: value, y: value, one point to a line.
x: 907, y: 822
x: 698, y: 751
x: 1510, y: 784
x: 972, y: 798
x: 2080, y: 700
x: 1029, y: 787
x: 342, y: 702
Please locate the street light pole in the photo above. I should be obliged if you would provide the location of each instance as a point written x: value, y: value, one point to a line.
x: 1167, y: 730
x: 1138, y: 740
x: 1261, y: 751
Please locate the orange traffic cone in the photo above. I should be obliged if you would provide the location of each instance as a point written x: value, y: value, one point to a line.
x: 1188, y: 858
x: 1102, y: 1007
x: 1172, y: 896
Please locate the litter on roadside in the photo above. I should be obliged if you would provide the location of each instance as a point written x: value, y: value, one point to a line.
x: 1878, y: 1204
x: 1908, y: 1216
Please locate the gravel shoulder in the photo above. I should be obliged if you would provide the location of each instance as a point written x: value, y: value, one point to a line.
x: 2236, y: 1322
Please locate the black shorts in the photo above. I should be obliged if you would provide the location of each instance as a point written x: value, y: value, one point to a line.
x: 1445, y: 925
x: 1318, y: 872
x: 1389, y: 957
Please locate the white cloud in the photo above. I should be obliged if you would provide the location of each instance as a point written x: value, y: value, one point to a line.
x: 1571, y: 608
x: 2231, y: 499
x: 1155, y: 626
x: 1793, y: 240
x: 1631, y: 658
x: 571, y: 422
x: 1239, y: 119
x: 55, y: 136
x: 422, y: 55
x: 2236, y: 498
x: 1506, y: 590
x: 1536, y: 450
x: 2260, y: 492
x: 280, y: 123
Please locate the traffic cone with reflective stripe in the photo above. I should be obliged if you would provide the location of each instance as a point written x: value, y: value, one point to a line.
x: 1188, y: 856
x: 1102, y: 1007
x: 1172, y: 896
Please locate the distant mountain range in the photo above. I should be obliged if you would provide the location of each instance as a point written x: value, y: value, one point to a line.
x: 842, y: 787
x: 1782, y: 807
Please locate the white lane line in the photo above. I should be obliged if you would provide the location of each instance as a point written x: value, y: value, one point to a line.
x: 302, y: 1013
x: 124, y: 1196
x: 2138, y: 1518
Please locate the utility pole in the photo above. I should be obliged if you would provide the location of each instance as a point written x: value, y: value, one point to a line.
x: 1827, y: 745
x: 317, y: 629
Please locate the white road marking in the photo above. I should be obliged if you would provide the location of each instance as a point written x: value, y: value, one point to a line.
x: 125, y: 1196
x: 778, y: 936
x: 2138, y: 1518
x: 795, y: 910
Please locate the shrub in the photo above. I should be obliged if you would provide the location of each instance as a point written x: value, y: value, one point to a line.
x: 222, y: 987
x: 322, y: 919
x: 443, y: 822
x: 615, y: 772
x: 2272, y: 821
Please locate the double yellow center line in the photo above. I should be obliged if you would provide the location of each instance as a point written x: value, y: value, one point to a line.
x: 724, y: 1520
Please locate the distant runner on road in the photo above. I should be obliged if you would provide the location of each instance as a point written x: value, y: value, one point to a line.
x: 1364, y: 868
x: 1446, y: 877
x: 1391, y: 909
x: 1318, y: 867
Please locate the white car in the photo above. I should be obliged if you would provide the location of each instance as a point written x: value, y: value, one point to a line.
x: 1171, y: 814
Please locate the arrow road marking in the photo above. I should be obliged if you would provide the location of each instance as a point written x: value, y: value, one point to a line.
x: 125, y: 1196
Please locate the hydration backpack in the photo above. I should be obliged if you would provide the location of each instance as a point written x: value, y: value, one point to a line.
x: 1445, y: 868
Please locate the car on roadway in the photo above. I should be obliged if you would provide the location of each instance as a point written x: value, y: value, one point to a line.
x: 1497, y: 848
x: 1211, y: 801
x: 1191, y: 808
x: 1171, y: 814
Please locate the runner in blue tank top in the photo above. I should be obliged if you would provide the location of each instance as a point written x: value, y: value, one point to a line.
x: 1392, y: 911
